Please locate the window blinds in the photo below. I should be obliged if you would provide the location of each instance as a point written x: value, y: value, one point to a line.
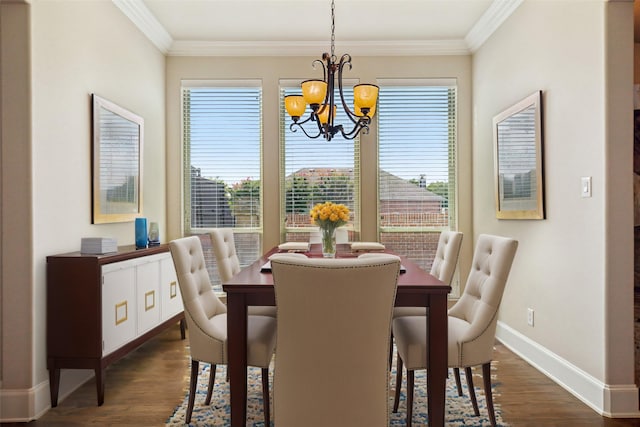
x: 417, y: 155
x: 222, y: 137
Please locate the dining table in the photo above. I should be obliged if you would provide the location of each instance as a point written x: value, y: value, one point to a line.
x: 253, y: 285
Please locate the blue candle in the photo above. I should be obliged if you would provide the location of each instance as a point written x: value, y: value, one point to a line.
x: 141, y: 233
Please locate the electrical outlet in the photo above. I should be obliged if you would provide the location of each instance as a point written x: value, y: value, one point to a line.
x: 530, y: 316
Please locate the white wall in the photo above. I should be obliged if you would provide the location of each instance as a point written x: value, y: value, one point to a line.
x: 575, y: 269
x: 78, y: 48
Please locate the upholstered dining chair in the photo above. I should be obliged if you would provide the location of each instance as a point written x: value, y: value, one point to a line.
x: 334, y: 325
x: 443, y: 266
x: 471, y: 326
x: 206, y: 319
x: 224, y: 250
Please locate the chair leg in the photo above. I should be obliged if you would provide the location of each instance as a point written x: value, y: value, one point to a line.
x: 212, y: 380
x: 456, y: 373
x: 486, y: 376
x: 265, y: 396
x: 396, y: 399
x: 391, y: 352
x: 410, y: 381
x: 472, y: 392
x: 193, y: 382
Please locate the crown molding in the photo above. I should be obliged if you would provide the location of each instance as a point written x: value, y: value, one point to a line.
x: 282, y: 48
x: 141, y: 16
x: 489, y: 22
x: 146, y: 22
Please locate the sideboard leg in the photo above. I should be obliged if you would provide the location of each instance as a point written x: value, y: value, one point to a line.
x: 100, y: 385
x: 54, y: 385
x: 183, y: 326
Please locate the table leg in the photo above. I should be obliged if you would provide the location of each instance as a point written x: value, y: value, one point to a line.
x: 437, y: 334
x: 237, y: 357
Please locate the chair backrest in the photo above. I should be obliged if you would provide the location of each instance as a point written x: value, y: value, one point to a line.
x: 224, y: 249
x: 446, y: 259
x: 474, y: 317
x: 200, y: 302
x: 333, y: 335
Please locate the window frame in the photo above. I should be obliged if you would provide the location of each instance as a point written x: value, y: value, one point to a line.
x: 203, y: 232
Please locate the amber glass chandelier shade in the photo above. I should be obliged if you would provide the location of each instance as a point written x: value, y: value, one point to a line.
x: 295, y: 105
x: 314, y: 91
x: 359, y: 112
x: 323, y: 114
x: 365, y: 95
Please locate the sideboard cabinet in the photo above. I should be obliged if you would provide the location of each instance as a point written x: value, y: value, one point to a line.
x: 100, y: 307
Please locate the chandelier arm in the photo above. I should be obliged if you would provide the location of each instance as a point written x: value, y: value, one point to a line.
x: 299, y: 125
x: 345, y: 60
x: 362, y: 126
x: 324, y: 67
x: 359, y: 127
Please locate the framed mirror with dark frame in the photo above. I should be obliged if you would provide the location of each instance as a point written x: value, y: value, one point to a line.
x: 518, y: 144
x: 116, y: 167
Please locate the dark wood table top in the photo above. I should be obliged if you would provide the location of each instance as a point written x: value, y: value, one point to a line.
x: 252, y: 278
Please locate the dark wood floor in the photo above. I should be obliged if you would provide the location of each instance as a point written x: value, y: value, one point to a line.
x: 144, y: 388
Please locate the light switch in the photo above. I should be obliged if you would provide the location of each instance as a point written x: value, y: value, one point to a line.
x: 586, y: 186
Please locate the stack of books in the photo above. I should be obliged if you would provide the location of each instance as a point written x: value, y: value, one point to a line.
x: 98, y: 245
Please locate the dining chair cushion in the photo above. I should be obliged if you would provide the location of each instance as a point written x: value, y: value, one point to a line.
x: 410, y: 333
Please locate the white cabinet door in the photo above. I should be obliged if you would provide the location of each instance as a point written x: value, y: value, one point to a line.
x: 118, y: 306
x: 169, y: 289
x: 148, y: 295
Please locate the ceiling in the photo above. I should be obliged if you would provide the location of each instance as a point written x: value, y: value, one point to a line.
x: 289, y: 27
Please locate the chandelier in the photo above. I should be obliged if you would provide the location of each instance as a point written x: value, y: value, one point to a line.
x: 320, y: 96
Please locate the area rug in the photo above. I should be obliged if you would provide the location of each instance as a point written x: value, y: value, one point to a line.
x: 459, y: 409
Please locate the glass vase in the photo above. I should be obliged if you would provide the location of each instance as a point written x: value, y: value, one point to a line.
x: 154, y: 234
x: 328, y: 242
x: 142, y: 239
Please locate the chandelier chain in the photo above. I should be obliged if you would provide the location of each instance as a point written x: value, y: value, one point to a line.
x: 333, y: 30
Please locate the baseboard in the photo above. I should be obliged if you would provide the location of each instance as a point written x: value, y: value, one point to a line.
x: 609, y: 400
x: 24, y: 405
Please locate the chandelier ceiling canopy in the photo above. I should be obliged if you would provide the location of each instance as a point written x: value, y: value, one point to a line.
x: 320, y: 96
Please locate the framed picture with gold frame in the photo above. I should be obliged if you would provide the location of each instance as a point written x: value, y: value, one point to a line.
x: 116, y: 167
x: 518, y: 144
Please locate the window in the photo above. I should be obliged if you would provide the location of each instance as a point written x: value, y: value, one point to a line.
x: 222, y: 137
x: 417, y: 164
x: 316, y: 171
